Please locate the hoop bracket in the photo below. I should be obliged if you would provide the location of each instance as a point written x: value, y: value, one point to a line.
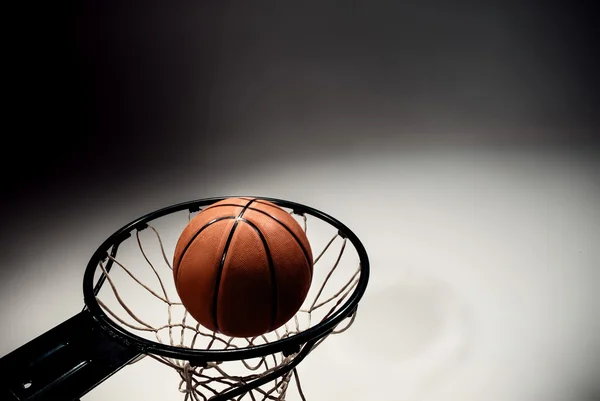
x: 62, y: 364
x: 291, y: 350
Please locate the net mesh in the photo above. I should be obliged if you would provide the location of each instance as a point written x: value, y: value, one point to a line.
x: 139, y: 295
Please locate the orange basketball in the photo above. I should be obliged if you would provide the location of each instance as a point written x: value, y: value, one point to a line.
x: 243, y: 267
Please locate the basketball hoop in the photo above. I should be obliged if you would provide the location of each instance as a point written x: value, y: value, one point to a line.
x: 131, y: 298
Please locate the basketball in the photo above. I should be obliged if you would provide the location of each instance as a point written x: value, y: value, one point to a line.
x: 242, y: 267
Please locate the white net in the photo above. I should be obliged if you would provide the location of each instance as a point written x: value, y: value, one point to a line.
x: 139, y: 295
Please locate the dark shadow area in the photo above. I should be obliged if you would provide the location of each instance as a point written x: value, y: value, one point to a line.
x: 111, y: 94
x: 102, y: 93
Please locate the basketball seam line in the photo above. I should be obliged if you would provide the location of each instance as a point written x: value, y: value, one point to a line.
x: 274, y: 286
x: 266, y: 204
x: 289, y: 230
x: 260, y: 201
x: 223, y: 204
x: 308, y: 261
x: 222, y: 264
x: 191, y: 241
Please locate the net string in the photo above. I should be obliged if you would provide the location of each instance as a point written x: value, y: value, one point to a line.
x: 196, y: 381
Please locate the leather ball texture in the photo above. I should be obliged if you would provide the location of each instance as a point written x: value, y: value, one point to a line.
x: 243, y: 267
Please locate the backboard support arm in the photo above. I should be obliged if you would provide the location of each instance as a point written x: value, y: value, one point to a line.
x: 64, y: 363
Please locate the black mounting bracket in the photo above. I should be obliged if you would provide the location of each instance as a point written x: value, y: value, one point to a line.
x: 62, y: 364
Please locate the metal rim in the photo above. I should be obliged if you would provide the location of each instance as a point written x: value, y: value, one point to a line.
x: 289, y: 344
